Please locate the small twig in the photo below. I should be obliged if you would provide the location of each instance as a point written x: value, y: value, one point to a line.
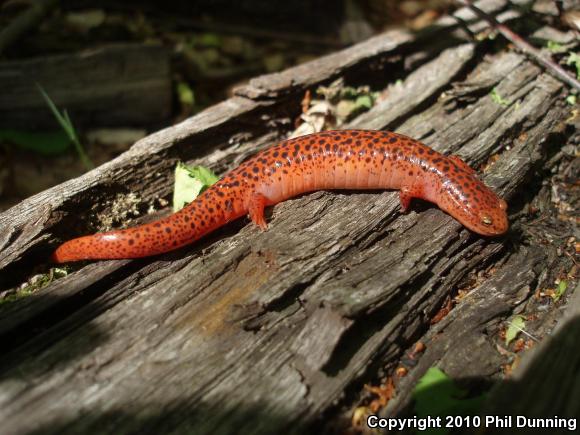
x: 560, y: 7
x: 543, y: 59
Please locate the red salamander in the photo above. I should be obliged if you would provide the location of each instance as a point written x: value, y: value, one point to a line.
x: 347, y: 159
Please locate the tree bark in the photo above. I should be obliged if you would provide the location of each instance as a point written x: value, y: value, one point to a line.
x: 115, y: 85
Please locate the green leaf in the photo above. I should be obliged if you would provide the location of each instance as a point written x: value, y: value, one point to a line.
x: 185, y: 94
x: 574, y: 59
x: 498, y: 99
x: 64, y: 121
x: 190, y: 181
x: 209, y: 40
x: 555, y: 47
x: 364, y: 102
x: 47, y: 143
x: 66, y: 124
x: 348, y: 92
x: 571, y: 99
x: 437, y: 395
x: 69, y: 127
x: 516, y: 325
x: 562, y: 287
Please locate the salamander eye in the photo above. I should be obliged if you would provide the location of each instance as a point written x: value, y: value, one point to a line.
x: 486, y: 219
x: 502, y: 204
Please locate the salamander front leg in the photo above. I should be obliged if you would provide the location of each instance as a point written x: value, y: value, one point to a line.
x: 256, y: 210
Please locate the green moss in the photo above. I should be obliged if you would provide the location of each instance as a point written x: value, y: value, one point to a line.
x: 32, y: 285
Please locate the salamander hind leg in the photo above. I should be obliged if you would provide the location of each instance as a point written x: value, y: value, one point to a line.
x: 406, y: 194
x: 256, y: 206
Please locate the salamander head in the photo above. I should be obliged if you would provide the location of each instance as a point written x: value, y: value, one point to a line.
x: 475, y: 205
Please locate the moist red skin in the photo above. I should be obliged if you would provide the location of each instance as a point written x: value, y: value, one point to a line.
x: 347, y: 159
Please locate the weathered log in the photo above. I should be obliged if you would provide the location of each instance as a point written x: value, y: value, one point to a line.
x: 116, y: 85
x: 266, y: 332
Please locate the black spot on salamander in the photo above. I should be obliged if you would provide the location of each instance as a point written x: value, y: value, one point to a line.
x: 284, y: 155
x: 255, y: 169
x: 168, y: 230
x: 392, y: 139
x: 275, y: 154
x: 421, y: 151
x: 131, y: 242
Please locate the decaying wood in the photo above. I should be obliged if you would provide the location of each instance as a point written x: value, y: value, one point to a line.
x: 543, y: 59
x: 266, y: 332
x: 24, y: 22
x: 121, y: 84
